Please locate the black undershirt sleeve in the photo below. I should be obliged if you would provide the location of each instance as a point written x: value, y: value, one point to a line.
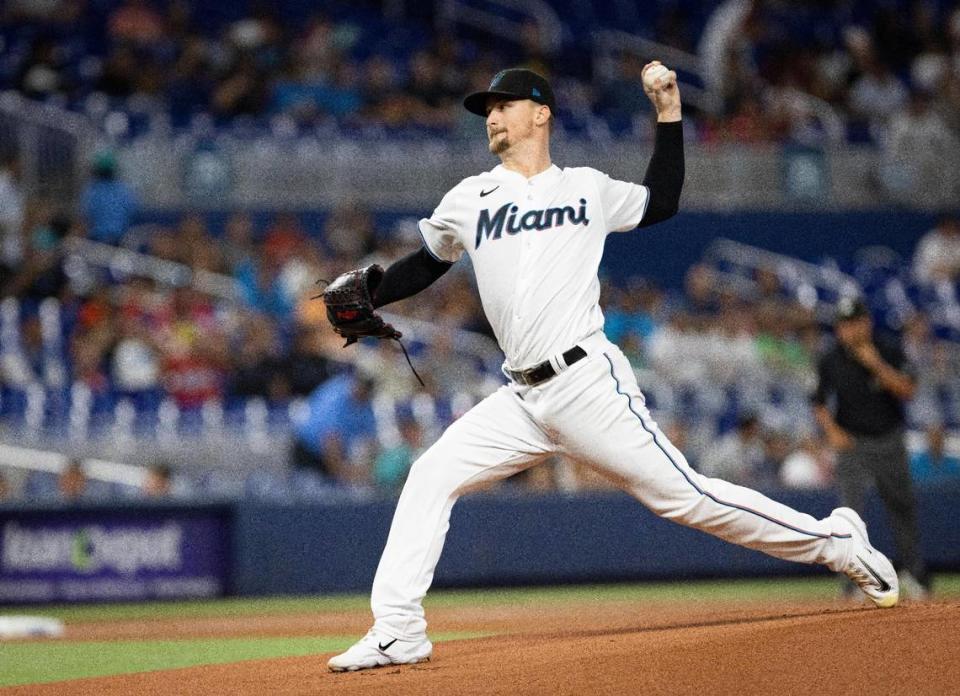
x: 408, y: 276
x: 665, y: 173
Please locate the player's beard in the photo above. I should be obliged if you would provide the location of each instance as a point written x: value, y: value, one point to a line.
x: 499, y: 145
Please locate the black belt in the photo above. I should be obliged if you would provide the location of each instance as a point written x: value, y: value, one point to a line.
x: 544, y: 371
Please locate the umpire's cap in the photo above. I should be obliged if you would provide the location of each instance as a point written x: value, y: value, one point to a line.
x: 514, y: 83
x: 850, y: 308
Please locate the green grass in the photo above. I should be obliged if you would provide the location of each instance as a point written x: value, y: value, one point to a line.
x: 38, y: 662
x: 55, y: 660
x: 681, y: 590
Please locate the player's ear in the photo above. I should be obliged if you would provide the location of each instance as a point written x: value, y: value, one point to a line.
x: 542, y: 117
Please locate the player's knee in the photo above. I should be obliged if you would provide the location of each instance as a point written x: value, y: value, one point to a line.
x: 425, y: 465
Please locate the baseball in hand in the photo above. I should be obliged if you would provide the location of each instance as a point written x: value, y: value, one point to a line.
x: 653, y: 73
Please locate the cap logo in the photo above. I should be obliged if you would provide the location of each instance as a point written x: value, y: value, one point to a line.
x: 535, y: 92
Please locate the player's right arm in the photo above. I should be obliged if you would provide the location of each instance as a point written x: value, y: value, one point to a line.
x: 627, y: 206
x: 665, y: 173
x: 418, y: 270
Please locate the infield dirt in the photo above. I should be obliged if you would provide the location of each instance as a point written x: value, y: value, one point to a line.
x: 589, y: 648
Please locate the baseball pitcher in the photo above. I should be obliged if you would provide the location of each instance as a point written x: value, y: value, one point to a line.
x: 535, y: 233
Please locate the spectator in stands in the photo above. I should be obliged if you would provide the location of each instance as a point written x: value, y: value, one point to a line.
x: 933, y: 464
x: 42, y: 74
x: 349, y: 231
x: 443, y: 369
x: 867, y: 377
x: 921, y: 154
x: 621, y: 99
x: 781, y: 352
x: 305, y: 366
x: 197, y: 247
x: 432, y: 99
x: 392, y: 376
x: 392, y: 464
x: 195, y: 350
x: 748, y: 124
x: 808, y: 466
x: 12, y: 210
x: 877, y: 95
x: 191, y: 81
x: 41, y: 273
x: 109, y: 205
x: 137, y: 23
x: 158, y: 482
x: 120, y: 73
x: 243, y: 92
x: 91, y: 341
x: 936, y: 366
x: 6, y: 490
x: 238, y: 241
x: 262, y: 288
x: 22, y: 364
x: 135, y: 360
x: 738, y: 456
x: 948, y: 91
x: 47, y: 12
x: 337, y: 432
x: 258, y: 369
x: 700, y: 286
x: 72, y: 483
x: 380, y: 84
x: 937, y: 257
x: 726, y: 52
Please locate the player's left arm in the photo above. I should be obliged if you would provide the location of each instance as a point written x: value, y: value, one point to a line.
x: 408, y: 276
x: 441, y: 249
x: 665, y: 173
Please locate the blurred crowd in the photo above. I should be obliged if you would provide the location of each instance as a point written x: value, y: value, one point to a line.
x: 772, y: 70
x: 729, y: 375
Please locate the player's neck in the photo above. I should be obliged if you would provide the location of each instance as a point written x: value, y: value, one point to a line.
x: 527, y: 159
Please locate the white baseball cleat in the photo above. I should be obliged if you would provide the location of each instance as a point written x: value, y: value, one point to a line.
x: 871, y: 570
x: 378, y: 650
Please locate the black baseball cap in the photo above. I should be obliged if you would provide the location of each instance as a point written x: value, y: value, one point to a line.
x: 514, y: 83
x: 850, y: 308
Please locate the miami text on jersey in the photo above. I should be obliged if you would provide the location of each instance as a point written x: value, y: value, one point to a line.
x: 506, y: 217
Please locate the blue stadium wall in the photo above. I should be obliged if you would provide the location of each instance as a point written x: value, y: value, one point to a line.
x: 496, y: 540
x: 251, y: 548
x: 663, y: 253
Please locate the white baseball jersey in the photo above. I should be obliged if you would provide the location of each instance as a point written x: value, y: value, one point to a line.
x: 536, y: 246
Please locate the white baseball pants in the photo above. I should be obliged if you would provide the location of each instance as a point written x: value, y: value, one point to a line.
x: 593, y: 412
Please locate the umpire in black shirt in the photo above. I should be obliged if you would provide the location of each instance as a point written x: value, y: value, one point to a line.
x: 859, y: 403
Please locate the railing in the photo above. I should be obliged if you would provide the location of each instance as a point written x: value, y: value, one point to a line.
x: 54, y: 146
x: 493, y: 17
x: 29, y: 459
x: 125, y: 263
x: 609, y: 43
x: 816, y: 287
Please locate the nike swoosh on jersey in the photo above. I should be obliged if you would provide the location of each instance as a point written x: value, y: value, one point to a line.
x: 487, y: 193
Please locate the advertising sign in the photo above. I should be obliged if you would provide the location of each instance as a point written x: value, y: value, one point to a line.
x: 67, y: 556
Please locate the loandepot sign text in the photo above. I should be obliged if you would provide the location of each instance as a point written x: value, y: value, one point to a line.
x: 92, y: 548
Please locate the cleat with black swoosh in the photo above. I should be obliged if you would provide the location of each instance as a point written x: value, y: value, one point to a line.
x: 871, y: 570
x: 378, y: 650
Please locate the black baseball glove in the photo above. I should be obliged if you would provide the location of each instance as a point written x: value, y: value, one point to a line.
x: 349, y: 302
